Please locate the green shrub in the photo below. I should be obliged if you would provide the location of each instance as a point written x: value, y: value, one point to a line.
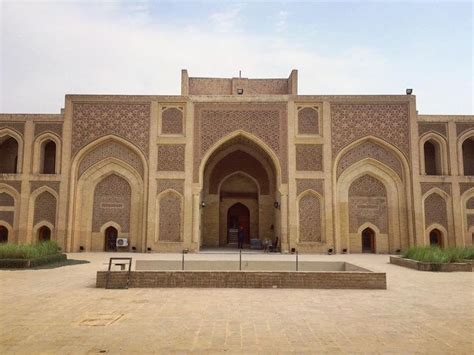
x: 22, y: 251
x: 432, y: 254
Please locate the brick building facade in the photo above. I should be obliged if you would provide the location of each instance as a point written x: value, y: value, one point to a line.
x: 348, y: 173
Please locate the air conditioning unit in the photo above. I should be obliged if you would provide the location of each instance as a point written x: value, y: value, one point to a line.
x: 122, y: 242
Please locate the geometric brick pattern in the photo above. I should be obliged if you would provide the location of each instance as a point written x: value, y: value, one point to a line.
x: 170, y: 217
x: 368, y: 203
x: 388, y: 122
x: 111, y: 149
x: 174, y: 184
x: 94, y: 120
x: 171, y: 157
x: 424, y: 127
x: 49, y: 127
x: 267, y: 121
x: 308, y: 121
x: 309, y: 218
x: 112, y: 199
x: 54, y: 185
x: 463, y: 127
x: 13, y: 183
x: 435, y: 210
x: 309, y: 157
x: 172, y: 120
x: 7, y: 216
x: 45, y: 208
x: 369, y: 149
x: 310, y: 184
x: 6, y: 200
x: 470, y: 203
x: 464, y: 186
x: 445, y: 186
x: 16, y: 126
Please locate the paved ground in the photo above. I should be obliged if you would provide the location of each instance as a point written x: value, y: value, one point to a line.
x: 60, y: 311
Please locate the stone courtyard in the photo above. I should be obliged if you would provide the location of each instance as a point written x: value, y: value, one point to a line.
x: 60, y: 311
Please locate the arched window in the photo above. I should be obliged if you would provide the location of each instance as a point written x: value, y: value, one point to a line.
x: 48, y: 153
x: 432, y: 158
x: 44, y: 234
x: 3, y: 234
x: 468, y: 156
x: 436, y: 238
x: 8, y: 155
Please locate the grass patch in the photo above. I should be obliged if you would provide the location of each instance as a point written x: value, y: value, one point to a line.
x: 60, y: 264
x: 22, y: 251
x: 438, y: 255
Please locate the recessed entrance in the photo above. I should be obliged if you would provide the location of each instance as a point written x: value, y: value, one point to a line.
x: 3, y: 234
x: 368, y: 241
x: 238, y: 216
x: 44, y: 234
x: 436, y: 238
x: 111, y: 234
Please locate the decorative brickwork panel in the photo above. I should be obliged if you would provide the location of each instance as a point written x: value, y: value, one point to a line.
x: 267, y: 121
x: 239, y: 161
x: 308, y: 120
x: 45, y: 208
x: 172, y: 121
x: 350, y: 122
x: 427, y: 186
x: 112, y: 200
x: 170, y: 217
x: 310, y: 184
x: 371, y: 150
x: 7, y: 216
x: 435, y: 211
x: 309, y: 218
x: 16, y: 126
x: 111, y: 149
x: 95, y: 120
x: 49, y: 127
x: 6, y: 200
x: 171, y: 157
x: 463, y: 127
x: 309, y: 157
x: 15, y: 184
x: 424, y: 127
x: 34, y: 185
x: 165, y: 184
x: 469, y: 203
x: 368, y: 203
x: 470, y: 220
x: 464, y: 186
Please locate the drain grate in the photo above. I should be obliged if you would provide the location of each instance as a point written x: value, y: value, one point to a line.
x: 100, y: 320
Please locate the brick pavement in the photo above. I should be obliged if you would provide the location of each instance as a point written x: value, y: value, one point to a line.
x: 61, y: 311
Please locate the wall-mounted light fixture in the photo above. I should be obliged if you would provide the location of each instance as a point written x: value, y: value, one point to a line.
x: 330, y: 251
x: 240, y: 91
x: 148, y: 249
x: 276, y: 205
x: 81, y: 248
x: 134, y: 248
x: 409, y: 91
x: 203, y: 204
x: 344, y: 251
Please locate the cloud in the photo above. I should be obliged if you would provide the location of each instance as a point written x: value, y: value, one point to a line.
x: 281, y: 21
x: 49, y: 50
x: 226, y: 20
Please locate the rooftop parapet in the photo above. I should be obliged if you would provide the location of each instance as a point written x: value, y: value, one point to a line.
x: 239, y: 86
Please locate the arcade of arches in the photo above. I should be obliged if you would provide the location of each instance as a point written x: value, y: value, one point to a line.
x: 356, y: 174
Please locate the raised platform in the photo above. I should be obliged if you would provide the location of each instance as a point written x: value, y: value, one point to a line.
x: 255, y: 274
x: 423, y: 266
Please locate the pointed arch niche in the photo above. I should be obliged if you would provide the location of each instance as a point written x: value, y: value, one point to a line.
x: 433, y: 154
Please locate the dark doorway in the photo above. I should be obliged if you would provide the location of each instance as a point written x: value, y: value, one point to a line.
x: 8, y: 155
x: 49, y: 158
x: 431, y: 159
x: 111, y: 239
x: 436, y: 238
x: 44, y: 234
x: 468, y: 156
x: 368, y: 241
x: 3, y: 234
x: 238, y: 215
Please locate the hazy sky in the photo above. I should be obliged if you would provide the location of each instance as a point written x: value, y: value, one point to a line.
x: 52, y: 48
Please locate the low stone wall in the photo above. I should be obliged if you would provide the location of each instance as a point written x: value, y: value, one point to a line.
x: 245, y: 279
x: 422, y: 266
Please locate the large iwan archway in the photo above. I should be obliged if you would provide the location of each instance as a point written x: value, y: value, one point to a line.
x: 239, y: 176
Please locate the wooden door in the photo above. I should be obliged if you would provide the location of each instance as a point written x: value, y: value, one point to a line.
x: 111, y: 239
x: 238, y: 216
x: 368, y: 241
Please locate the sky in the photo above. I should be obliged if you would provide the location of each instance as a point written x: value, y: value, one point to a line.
x: 52, y: 48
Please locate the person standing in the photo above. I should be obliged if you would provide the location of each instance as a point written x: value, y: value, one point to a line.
x: 240, y: 237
